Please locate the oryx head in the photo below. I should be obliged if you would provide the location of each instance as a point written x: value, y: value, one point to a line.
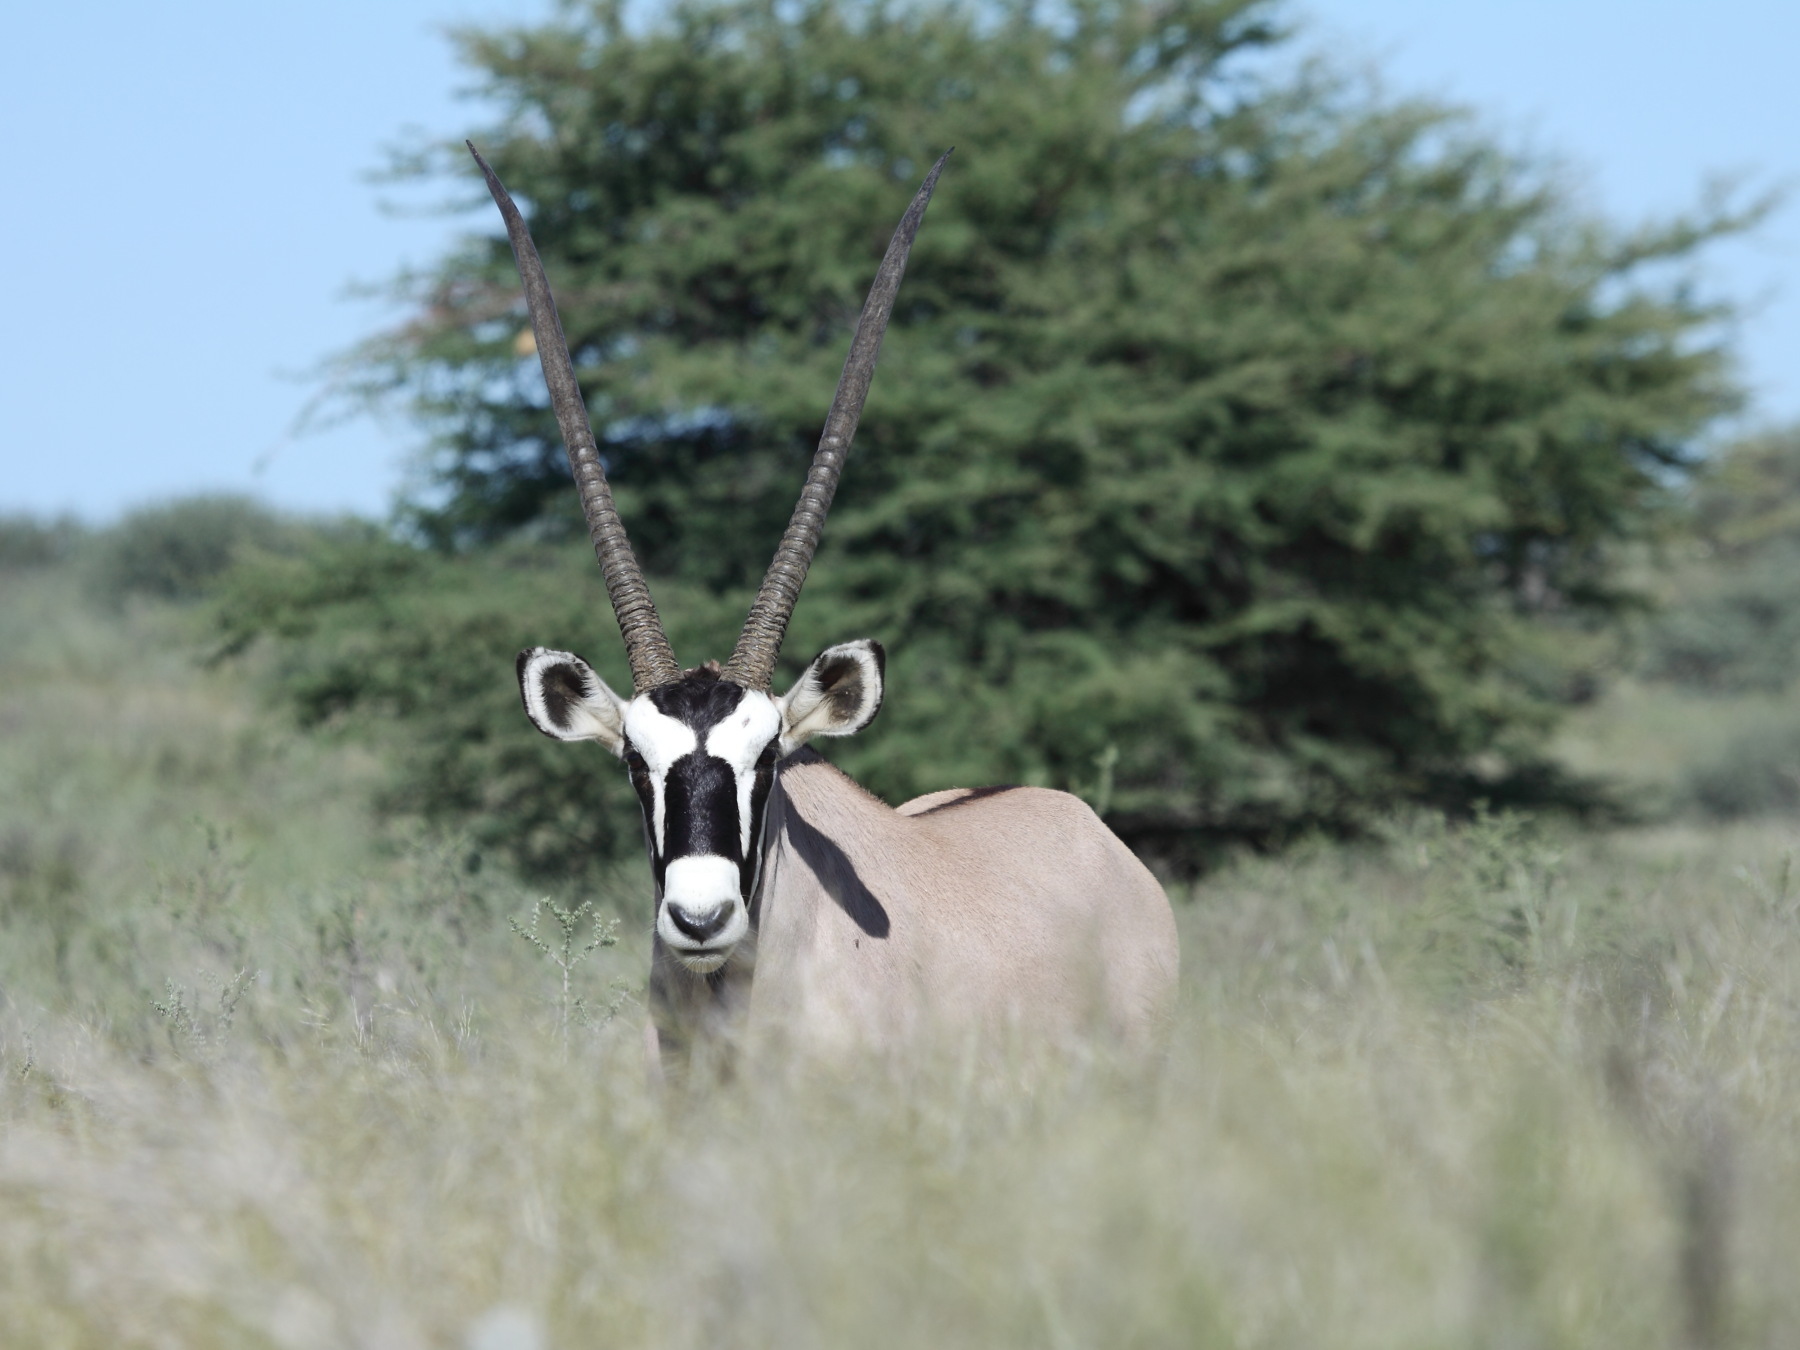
x: 701, y: 745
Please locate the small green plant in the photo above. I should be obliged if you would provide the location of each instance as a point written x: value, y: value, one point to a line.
x: 1490, y: 904
x: 565, y: 954
x: 204, y: 902
x: 190, y: 1020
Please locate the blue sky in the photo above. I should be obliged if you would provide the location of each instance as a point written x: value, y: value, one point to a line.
x: 189, y: 204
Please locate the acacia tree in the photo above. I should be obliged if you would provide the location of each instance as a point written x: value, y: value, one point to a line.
x: 1231, y: 436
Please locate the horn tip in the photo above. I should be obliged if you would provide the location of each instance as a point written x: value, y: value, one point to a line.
x: 496, y: 188
x: 926, y: 188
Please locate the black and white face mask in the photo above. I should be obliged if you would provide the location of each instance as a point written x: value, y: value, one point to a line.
x: 702, y: 753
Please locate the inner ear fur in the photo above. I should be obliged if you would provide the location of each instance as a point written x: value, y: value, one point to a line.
x: 567, y: 701
x: 837, y: 695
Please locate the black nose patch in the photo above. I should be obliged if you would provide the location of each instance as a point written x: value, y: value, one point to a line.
x: 700, y: 927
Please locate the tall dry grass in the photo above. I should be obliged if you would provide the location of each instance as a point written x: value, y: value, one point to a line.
x: 276, y: 1075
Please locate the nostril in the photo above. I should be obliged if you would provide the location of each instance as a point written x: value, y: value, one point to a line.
x: 700, y: 926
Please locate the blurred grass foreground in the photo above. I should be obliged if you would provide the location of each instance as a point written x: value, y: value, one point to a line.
x: 274, y: 1072
x: 1291, y: 471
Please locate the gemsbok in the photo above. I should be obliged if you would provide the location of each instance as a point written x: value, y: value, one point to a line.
x: 791, y: 904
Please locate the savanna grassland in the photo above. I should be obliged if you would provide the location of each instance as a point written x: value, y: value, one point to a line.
x: 278, y: 1071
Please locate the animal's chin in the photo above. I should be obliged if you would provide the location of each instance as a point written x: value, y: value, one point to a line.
x: 703, y: 963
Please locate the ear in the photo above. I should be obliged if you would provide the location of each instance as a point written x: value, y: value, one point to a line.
x: 566, y: 700
x: 837, y: 695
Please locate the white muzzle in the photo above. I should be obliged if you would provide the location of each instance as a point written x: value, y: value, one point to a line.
x: 702, y: 917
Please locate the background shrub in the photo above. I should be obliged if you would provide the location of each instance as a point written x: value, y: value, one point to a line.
x: 27, y: 542
x: 176, y: 550
x: 1733, y: 622
x: 1756, y: 773
x: 1273, y: 445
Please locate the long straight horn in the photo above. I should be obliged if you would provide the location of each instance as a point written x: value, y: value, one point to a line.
x: 752, y: 663
x: 646, y: 646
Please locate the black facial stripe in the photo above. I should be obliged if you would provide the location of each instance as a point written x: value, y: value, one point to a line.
x: 759, y: 802
x: 640, y: 781
x: 700, y: 813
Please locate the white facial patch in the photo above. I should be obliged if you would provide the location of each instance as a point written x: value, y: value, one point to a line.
x: 740, y: 740
x: 699, y: 885
x: 660, y: 740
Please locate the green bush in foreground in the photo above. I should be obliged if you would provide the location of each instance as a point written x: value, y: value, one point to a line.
x: 1233, y: 433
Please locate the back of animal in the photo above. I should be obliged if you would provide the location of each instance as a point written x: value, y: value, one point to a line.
x: 1011, y: 911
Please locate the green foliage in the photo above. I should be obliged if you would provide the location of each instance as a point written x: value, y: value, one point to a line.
x: 160, y: 825
x: 565, y: 952
x: 413, y: 651
x: 196, y: 1022
x: 1755, y: 773
x: 1726, y: 648
x: 177, y: 550
x: 27, y: 542
x: 1241, y: 433
x: 1734, y: 625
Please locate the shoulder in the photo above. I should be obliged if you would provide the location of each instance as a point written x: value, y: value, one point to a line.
x: 806, y: 774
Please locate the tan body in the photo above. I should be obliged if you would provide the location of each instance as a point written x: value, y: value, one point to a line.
x: 1010, y: 913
